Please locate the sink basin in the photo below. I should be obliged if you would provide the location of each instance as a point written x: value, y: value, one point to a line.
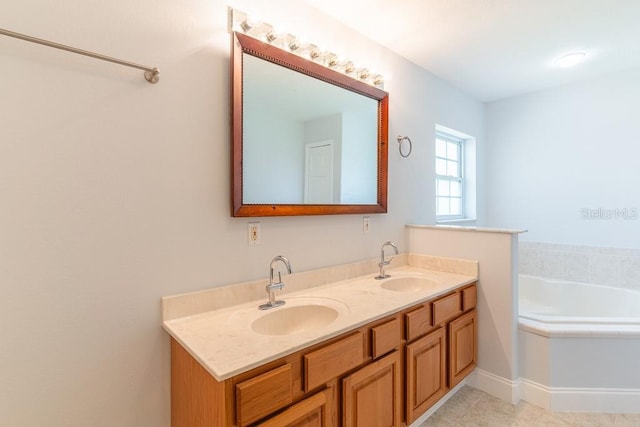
x: 294, y: 319
x: 407, y: 284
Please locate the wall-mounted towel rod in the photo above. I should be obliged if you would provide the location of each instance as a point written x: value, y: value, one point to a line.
x: 151, y: 74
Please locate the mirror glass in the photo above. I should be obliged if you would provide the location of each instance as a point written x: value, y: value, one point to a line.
x: 309, y: 141
x: 305, y: 140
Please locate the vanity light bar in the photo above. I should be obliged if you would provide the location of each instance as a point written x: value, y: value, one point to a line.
x: 241, y: 22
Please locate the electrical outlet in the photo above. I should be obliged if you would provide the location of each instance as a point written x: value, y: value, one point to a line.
x: 366, y: 224
x: 253, y: 235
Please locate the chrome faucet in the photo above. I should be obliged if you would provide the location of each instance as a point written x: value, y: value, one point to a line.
x: 382, y: 262
x: 272, y: 287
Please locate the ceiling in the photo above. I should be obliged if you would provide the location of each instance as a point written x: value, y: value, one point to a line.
x: 494, y: 49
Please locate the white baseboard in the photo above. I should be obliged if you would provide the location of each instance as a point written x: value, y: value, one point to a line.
x: 499, y: 387
x: 562, y: 399
x: 567, y: 399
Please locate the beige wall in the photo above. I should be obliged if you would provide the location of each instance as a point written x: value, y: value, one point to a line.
x: 115, y: 193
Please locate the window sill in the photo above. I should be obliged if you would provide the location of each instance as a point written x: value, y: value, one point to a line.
x: 456, y: 221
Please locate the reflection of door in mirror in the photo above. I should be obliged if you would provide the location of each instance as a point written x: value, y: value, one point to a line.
x: 318, y: 172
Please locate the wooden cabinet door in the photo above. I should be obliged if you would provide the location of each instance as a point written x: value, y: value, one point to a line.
x: 318, y: 410
x: 426, y: 373
x: 372, y: 396
x: 463, y: 351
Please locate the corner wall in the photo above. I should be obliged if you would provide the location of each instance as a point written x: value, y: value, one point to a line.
x: 496, y: 250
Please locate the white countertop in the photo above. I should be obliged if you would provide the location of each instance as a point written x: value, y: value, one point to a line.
x: 224, y: 343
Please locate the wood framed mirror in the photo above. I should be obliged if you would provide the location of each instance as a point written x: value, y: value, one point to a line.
x: 306, y: 140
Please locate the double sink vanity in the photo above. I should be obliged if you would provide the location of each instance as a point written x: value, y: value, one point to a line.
x: 353, y: 352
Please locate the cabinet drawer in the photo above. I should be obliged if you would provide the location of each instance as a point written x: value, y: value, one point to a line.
x: 418, y: 322
x: 316, y: 410
x: 385, y: 337
x: 446, y: 308
x: 331, y: 361
x: 264, y: 394
x: 469, y: 298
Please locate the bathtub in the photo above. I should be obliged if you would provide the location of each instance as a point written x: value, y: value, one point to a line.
x: 578, y: 346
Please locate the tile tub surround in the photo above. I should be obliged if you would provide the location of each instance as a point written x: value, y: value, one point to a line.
x: 616, y: 267
x: 223, y: 342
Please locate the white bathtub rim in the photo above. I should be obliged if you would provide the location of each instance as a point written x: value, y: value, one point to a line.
x: 609, y: 318
x: 580, y: 320
x: 579, y: 325
x: 575, y: 282
x: 579, y: 330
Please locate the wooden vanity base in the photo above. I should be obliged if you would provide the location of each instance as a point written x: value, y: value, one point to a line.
x: 391, y: 370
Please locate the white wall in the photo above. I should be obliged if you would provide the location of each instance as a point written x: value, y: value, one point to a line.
x: 556, y: 152
x: 359, y: 158
x: 273, y: 167
x: 115, y: 192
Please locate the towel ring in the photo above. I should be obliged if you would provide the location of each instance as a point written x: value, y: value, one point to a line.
x: 400, y: 140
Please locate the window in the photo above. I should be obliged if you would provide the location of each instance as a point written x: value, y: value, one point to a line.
x: 449, y: 177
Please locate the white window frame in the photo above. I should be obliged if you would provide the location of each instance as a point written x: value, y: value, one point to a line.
x: 457, y: 178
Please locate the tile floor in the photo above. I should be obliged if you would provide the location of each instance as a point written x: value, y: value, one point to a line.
x: 472, y: 407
